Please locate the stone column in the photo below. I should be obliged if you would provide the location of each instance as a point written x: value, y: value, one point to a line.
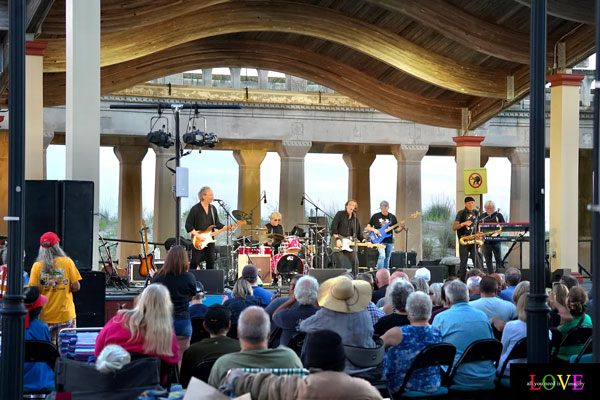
x: 468, y: 155
x: 207, y: 77
x: 359, y: 183
x: 48, y: 136
x: 34, y: 107
x: 519, y: 201
x: 586, y: 168
x: 235, y: 77
x: 564, y: 170
x: 263, y: 79
x: 291, y: 181
x: 130, y: 199
x: 408, y: 194
x: 164, y: 202
x: 249, y: 183
x: 3, y: 181
x: 82, y: 117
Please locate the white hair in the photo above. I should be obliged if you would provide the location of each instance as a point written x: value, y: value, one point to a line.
x: 306, y: 290
x: 490, y: 203
x: 254, y: 325
x: 457, y: 292
x: 418, y: 306
x: 399, y: 292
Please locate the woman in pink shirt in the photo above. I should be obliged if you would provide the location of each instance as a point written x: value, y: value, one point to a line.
x: 147, y: 329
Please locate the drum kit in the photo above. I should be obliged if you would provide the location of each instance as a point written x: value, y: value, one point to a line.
x: 289, y: 255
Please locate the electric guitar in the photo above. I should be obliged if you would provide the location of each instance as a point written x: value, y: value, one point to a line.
x: 146, y: 262
x: 204, y: 238
x: 347, y: 244
x: 384, y: 230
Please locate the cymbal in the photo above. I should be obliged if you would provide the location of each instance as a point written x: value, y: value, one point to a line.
x: 239, y: 215
x: 257, y: 229
x: 306, y: 223
x: 275, y: 236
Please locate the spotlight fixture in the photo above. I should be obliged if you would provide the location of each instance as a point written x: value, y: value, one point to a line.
x: 161, y: 137
x: 196, y: 137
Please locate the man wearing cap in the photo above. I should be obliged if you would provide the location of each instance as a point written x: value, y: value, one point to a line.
x: 464, y: 225
x: 378, y: 220
x: 343, y: 310
x: 217, y: 322
x: 57, y: 278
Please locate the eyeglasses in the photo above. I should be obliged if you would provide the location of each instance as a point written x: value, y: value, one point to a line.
x: 276, y: 219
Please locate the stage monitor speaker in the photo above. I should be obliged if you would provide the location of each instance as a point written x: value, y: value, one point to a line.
x: 321, y: 275
x: 437, y: 273
x: 212, y: 279
x: 134, y: 269
x: 368, y: 257
x: 89, y: 300
x: 398, y: 259
x: 41, y: 203
x: 262, y: 264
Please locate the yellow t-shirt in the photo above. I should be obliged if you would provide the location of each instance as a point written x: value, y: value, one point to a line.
x: 57, y: 287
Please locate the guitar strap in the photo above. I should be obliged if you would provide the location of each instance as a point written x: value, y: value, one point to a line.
x: 212, y: 213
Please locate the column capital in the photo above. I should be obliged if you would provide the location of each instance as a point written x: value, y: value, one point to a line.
x: 518, y: 155
x: 162, y: 152
x: 565, y: 80
x: 35, y: 48
x: 293, y: 148
x: 359, y: 160
x: 409, y: 152
x: 249, y: 158
x: 468, y: 141
x: 130, y: 154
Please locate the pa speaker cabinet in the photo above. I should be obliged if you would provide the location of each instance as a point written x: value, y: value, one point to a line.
x: 89, y: 300
x: 367, y: 257
x: 321, y: 275
x: 262, y: 264
x: 398, y: 259
x: 212, y: 279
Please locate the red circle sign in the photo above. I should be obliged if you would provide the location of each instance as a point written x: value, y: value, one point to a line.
x: 475, y: 180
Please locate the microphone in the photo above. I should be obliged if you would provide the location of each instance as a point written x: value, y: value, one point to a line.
x: 217, y: 200
x: 265, y: 197
x: 302, y: 201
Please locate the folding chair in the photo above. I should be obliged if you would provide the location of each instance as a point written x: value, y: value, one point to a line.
x: 296, y: 342
x: 585, y: 355
x: 40, y: 351
x: 438, y: 354
x: 575, y: 337
x: 202, y: 370
x: 169, y: 373
x: 78, y: 343
x: 519, y: 350
x: 479, y: 350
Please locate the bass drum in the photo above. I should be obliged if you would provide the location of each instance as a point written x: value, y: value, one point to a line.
x: 289, y: 264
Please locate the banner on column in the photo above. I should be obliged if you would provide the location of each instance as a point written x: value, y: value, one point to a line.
x: 475, y: 180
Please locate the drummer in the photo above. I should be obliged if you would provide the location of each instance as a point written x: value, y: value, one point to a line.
x: 275, y: 229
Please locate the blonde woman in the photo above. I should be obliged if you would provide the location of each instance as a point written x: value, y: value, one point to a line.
x: 241, y: 298
x: 513, y: 332
x: 57, y: 277
x: 147, y: 329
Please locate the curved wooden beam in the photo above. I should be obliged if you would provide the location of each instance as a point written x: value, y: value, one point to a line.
x: 284, y: 16
x: 572, y: 10
x: 209, y: 53
x: 472, y: 32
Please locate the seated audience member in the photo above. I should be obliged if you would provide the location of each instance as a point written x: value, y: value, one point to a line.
x: 37, y: 376
x: 423, y: 273
x: 569, y: 281
x: 513, y: 332
x: 435, y: 295
x: 492, y: 306
x: 343, y: 310
x: 445, y: 305
x: 521, y: 289
x: 374, y: 311
x: 253, y: 331
x: 112, y: 358
x: 250, y: 273
x: 383, y: 301
x: 288, y: 317
x: 399, y: 292
x: 325, y: 357
x: 576, y: 303
x: 241, y: 298
x: 461, y: 325
x: 197, y: 309
x: 277, y: 300
x: 420, y: 285
x: 557, y: 300
x: 473, y: 287
x: 147, y: 329
x: 404, y: 343
x: 217, y: 323
x: 513, y: 277
x: 498, y: 279
x: 382, y: 279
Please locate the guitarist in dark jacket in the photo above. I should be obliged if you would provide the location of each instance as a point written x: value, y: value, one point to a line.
x: 201, y: 216
x: 345, y: 224
x: 378, y: 221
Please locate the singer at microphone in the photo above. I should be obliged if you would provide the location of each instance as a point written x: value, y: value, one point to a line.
x: 345, y: 225
x: 491, y: 248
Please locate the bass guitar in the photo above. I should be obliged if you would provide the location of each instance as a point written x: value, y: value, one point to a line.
x: 204, y: 238
x: 147, y: 259
x: 386, y: 230
x: 347, y: 244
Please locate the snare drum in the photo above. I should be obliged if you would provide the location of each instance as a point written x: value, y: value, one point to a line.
x: 292, y: 244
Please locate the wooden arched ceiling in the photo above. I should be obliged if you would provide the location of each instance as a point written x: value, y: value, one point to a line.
x: 425, y: 61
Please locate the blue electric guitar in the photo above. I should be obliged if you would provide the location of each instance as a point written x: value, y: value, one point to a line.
x: 386, y: 230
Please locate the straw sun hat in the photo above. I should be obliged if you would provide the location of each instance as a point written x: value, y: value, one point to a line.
x: 344, y: 295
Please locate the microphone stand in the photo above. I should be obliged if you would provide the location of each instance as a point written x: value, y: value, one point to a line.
x: 251, y: 213
x: 405, y: 247
x: 323, y: 237
x: 229, y: 235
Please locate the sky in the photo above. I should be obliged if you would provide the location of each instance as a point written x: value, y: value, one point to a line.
x: 329, y: 190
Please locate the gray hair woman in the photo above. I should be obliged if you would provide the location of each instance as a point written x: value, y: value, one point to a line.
x: 420, y: 284
x: 406, y: 342
x: 435, y: 294
x: 397, y: 295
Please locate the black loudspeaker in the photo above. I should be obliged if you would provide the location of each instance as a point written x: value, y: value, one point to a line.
x: 212, y: 279
x: 368, y: 257
x: 321, y: 275
x: 398, y: 259
x: 437, y: 273
x: 63, y: 207
x: 90, y: 300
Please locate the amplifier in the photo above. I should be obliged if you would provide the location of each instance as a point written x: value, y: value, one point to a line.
x: 262, y: 264
x: 134, y: 269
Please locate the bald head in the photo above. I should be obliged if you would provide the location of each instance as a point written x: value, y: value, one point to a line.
x: 382, y: 277
x: 398, y: 275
